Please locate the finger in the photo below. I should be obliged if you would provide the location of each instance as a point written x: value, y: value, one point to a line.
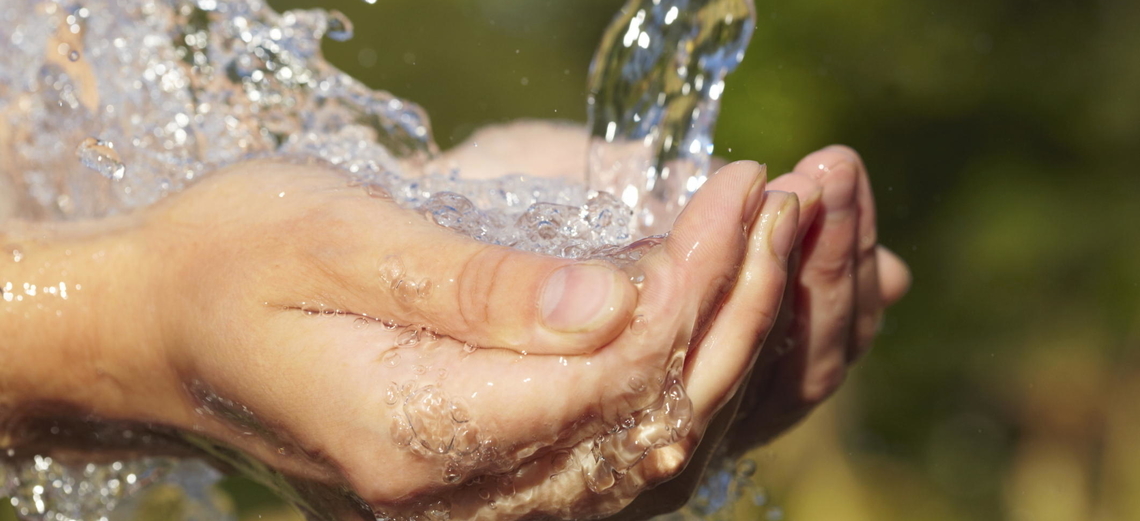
x: 729, y: 349
x: 706, y: 246
x: 894, y: 276
x: 868, y: 304
x: 415, y: 272
x: 807, y: 190
x: 826, y: 286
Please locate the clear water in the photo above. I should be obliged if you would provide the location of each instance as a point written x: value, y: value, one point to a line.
x: 133, y: 101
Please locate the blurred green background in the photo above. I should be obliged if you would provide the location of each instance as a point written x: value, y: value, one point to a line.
x: 1002, y: 139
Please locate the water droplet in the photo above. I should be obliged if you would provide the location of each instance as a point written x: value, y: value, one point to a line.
x: 746, y: 468
x: 392, y: 394
x: 328, y: 312
x: 409, y: 337
x: 442, y: 374
x: 424, y: 288
x: 339, y: 26
x: 391, y: 358
x: 73, y: 56
x: 419, y: 369
x: 451, y: 473
x: 469, y: 348
x: 401, y: 432
x: 360, y: 323
x: 101, y: 157
x: 639, y: 325
x: 389, y: 324
x: 459, y: 413
x: 637, y: 384
x: 391, y: 270
x: 311, y: 311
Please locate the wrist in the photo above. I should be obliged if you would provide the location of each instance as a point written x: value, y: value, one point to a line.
x: 79, y: 322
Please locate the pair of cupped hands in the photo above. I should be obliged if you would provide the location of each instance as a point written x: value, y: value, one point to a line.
x: 285, y: 295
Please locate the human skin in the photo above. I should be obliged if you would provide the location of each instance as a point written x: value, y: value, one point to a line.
x: 210, y: 289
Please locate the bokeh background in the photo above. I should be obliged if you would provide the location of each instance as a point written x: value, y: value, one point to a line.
x: 1003, y: 139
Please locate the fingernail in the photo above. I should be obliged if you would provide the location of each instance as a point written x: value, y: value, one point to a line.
x: 755, y: 196
x: 781, y: 210
x: 580, y: 297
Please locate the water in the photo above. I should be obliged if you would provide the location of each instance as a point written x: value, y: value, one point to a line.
x: 655, y: 89
x: 146, y: 98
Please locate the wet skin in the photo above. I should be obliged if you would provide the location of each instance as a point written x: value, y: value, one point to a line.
x: 271, y: 286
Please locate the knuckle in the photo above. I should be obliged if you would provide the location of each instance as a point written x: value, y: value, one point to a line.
x: 830, y: 268
x: 477, y: 279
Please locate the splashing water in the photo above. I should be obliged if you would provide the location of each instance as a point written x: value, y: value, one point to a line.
x: 655, y: 89
x: 175, y: 89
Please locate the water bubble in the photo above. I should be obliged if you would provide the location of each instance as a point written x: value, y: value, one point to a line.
x: 451, y: 473
x: 459, y: 413
x: 339, y: 26
x: 639, y: 325
x: 637, y: 384
x: 469, y: 347
x: 406, y: 291
x: 746, y: 468
x: 391, y: 270
x: 360, y: 323
x: 391, y: 358
x: 409, y: 337
x: 101, y: 157
x: 389, y: 324
x: 73, y: 56
x: 392, y: 394
x: 419, y: 369
x: 401, y: 432
x: 429, y: 416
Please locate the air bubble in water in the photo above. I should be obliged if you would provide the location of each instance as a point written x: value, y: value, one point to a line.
x: 73, y: 56
x: 101, y: 157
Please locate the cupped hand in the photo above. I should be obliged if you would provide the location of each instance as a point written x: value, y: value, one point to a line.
x: 343, y: 339
x: 840, y: 282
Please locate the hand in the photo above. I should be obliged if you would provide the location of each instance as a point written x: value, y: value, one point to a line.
x: 843, y: 281
x: 270, y: 313
x: 280, y: 328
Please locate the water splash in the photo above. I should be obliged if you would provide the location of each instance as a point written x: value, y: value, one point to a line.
x: 101, y: 157
x: 655, y: 89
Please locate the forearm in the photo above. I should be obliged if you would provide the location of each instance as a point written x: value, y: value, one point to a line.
x: 78, y: 324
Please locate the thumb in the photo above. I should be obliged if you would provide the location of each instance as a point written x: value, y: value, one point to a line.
x: 487, y: 295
